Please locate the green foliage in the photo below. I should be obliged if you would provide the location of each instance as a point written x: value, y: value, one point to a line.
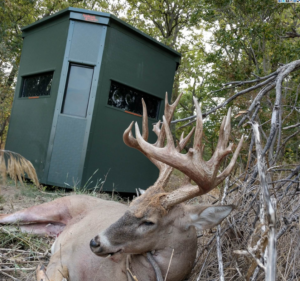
x: 248, y: 38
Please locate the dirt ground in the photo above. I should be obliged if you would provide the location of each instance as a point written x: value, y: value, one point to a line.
x: 20, y: 253
x: 15, y: 198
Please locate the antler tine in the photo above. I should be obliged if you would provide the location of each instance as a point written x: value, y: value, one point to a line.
x: 199, y: 128
x: 227, y: 128
x: 170, y: 142
x: 183, y: 141
x: 225, y: 131
x: 156, y: 128
x: 181, y: 136
x: 128, y: 138
x: 145, y: 121
x: 221, y: 150
x: 130, y: 141
x: 230, y: 166
x: 170, y: 108
x: 169, y: 111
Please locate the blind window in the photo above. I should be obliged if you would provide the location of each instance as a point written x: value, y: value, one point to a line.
x: 129, y: 99
x: 37, y: 85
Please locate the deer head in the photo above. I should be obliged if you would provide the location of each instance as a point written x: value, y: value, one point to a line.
x: 157, y: 219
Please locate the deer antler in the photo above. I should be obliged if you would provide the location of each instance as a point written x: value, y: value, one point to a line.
x: 164, y: 169
x: 204, y: 173
x: 128, y: 137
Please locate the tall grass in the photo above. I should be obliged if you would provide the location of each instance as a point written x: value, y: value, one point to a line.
x: 16, y: 167
x: 89, y: 187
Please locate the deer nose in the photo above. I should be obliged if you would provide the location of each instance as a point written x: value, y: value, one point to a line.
x: 95, y: 243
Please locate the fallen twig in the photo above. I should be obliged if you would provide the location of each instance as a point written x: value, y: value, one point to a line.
x: 169, y: 265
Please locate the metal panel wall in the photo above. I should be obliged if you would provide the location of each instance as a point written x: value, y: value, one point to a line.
x: 130, y: 60
x: 70, y: 134
x: 31, y: 119
x: 66, y: 154
x: 85, y: 42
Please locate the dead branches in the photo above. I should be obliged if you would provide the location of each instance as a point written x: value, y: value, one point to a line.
x: 269, y: 208
x: 268, y: 83
x: 269, y: 183
x: 219, y: 251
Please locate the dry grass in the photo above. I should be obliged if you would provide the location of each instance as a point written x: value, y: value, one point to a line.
x: 16, y: 167
x: 20, y: 254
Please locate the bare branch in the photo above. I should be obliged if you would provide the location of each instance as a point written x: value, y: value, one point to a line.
x: 219, y: 252
x: 270, y: 211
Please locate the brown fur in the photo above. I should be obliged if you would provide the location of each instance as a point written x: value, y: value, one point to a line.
x: 150, y: 199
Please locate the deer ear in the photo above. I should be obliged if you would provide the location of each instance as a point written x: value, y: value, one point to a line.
x: 209, y: 216
x: 142, y: 191
x: 139, y: 192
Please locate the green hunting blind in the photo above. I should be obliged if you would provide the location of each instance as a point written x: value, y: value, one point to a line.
x: 81, y: 79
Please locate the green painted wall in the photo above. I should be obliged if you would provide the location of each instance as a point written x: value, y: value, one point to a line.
x: 31, y: 119
x: 131, y: 60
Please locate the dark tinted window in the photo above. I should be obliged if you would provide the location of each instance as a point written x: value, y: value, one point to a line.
x: 78, y: 90
x: 129, y: 99
x: 37, y: 85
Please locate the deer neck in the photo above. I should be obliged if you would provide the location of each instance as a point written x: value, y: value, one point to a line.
x: 179, y: 253
x: 180, y: 265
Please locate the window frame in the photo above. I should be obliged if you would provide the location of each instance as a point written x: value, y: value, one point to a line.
x: 24, y: 77
x: 137, y: 91
x: 67, y: 84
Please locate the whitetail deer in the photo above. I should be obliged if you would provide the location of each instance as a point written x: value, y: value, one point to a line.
x: 135, y: 242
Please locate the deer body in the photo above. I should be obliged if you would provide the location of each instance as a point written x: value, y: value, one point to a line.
x: 71, y: 247
x: 83, y: 217
x: 136, y: 242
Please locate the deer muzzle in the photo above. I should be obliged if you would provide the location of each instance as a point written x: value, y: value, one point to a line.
x: 95, y: 245
x: 103, y: 248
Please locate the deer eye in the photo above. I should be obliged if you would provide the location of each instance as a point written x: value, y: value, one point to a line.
x: 148, y: 223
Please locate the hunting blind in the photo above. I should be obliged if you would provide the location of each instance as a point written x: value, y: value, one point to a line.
x: 81, y: 79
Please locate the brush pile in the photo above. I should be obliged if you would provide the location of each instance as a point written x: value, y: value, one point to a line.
x: 244, y: 238
x: 260, y: 240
